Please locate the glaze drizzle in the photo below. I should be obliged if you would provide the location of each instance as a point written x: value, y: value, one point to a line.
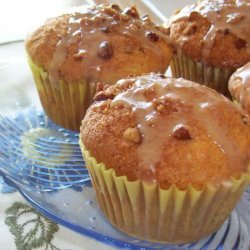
x: 227, y: 16
x: 91, y: 32
x: 160, y: 109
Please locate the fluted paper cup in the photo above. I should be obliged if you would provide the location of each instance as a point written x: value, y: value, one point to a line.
x: 65, y: 103
x: 185, y: 67
x: 171, y: 215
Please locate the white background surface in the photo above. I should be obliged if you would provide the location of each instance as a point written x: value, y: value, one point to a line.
x: 16, y: 19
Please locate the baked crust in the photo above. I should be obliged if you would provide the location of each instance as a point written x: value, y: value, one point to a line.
x: 239, y: 86
x: 193, y: 134
x: 101, y: 43
x: 216, y: 33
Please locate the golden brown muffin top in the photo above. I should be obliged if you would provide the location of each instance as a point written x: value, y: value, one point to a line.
x: 99, y: 43
x: 239, y: 86
x: 169, y: 131
x: 214, y: 32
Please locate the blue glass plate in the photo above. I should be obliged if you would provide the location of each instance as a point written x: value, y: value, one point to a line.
x: 44, y: 163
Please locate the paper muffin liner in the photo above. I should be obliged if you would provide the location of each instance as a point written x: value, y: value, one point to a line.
x: 151, y: 213
x: 216, y: 78
x: 66, y: 102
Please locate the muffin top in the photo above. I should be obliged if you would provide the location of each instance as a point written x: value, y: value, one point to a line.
x: 239, y: 86
x: 169, y: 131
x: 214, y: 32
x: 99, y: 43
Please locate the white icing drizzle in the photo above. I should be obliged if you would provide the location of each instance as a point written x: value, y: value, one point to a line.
x: 90, y: 31
x: 224, y: 15
x: 156, y: 129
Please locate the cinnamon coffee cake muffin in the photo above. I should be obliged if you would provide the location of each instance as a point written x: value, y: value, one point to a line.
x: 71, y: 53
x: 239, y: 86
x: 161, y: 153
x: 212, y: 40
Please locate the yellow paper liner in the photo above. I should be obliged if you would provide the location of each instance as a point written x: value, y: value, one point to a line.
x: 151, y: 213
x: 216, y: 78
x: 66, y: 102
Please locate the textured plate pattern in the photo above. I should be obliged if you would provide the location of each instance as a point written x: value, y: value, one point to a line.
x: 39, y: 154
x: 44, y: 162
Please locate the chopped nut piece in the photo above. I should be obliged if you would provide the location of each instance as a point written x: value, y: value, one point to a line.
x: 132, y: 134
x: 181, y: 132
x: 102, y: 96
x: 245, y: 119
x: 194, y: 15
x: 141, y: 49
x: 105, y: 29
x: 150, y: 121
x: 226, y: 32
x: 240, y: 43
x: 162, y: 76
x: 101, y: 86
x: 115, y: 7
x: 190, y: 29
x: 152, y: 36
x: 134, y: 27
x: 149, y: 94
x: 131, y: 12
x: 160, y: 107
x: 105, y: 51
x: 110, y: 11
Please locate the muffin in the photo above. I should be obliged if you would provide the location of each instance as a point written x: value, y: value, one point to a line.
x: 239, y: 86
x: 71, y: 53
x: 212, y: 40
x: 168, y: 158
